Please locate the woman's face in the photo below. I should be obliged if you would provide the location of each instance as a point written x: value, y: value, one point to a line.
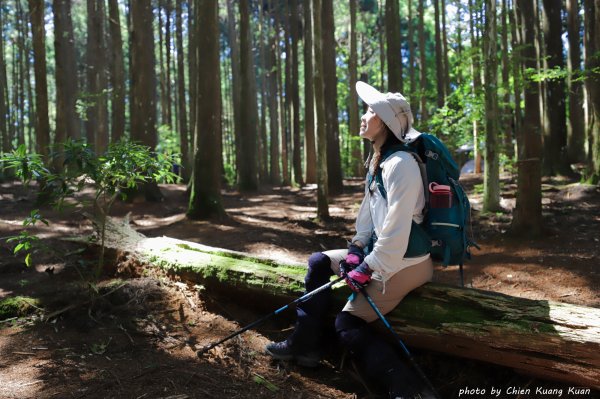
x: 371, y: 127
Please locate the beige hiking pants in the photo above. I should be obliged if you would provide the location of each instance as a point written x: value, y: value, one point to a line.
x: 396, y: 287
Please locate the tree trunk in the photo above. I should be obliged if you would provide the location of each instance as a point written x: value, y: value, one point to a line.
x: 248, y: 175
x: 527, y: 216
x: 287, y: 99
x: 117, y: 74
x: 320, y: 118
x: 393, y: 41
x: 411, y: 50
x: 507, y: 113
x: 555, y: 141
x: 42, y: 126
x: 592, y: 63
x: 205, y: 198
x: 491, y: 192
x: 475, y: 57
x: 439, y: 61
x: 4, y: 99
x: 576, y: 132
x: 143, y: 76
x: 551, y: 340
x: 67, y: 124
x: 183, y: 122
x: 264, y: 145
x: 423, y: 65
x: 517, y: 78
x: 334, y: 164
x: 193, y: 74
x: 169, y: 114
x: 353, y: 118
x: 295, y: 95
x: 97, y: 115
x: 445, y: 50
x: 272, y: 79
x: 309, y: 105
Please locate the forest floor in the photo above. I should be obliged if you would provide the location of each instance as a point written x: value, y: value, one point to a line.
x: 138, y: 338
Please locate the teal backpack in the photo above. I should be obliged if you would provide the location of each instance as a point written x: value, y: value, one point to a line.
x: 447, y: 210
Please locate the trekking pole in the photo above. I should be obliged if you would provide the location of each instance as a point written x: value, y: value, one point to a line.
x: 303, y: 298
x: 404, y: 348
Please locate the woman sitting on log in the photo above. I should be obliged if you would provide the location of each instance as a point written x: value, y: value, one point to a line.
x: 377, y: 257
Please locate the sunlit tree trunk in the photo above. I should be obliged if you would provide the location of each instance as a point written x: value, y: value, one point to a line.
x: 517, y: 78
x: 309, y: 108
x: 393, y: 41
x: 264, y: 145
x: 248, y: 174
x: 445, y: 50
x: 507, y: 113
x: 334, y: 164
x: 117, y: 74
x: 576, y: 132
x: 320, y: 120
x: 527, y: 215
x: 205, y: 198
x: 168, y: 11
x: 491, y: 192
x: 42, y: 131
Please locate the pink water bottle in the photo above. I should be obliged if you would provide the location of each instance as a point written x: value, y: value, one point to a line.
x: 440, y: 196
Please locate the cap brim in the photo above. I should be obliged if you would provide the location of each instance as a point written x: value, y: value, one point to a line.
x: 377, y: 101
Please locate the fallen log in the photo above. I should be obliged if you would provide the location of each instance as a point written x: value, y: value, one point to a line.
x: 551, y: 340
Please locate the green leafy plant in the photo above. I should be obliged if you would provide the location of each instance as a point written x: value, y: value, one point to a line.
x: 124, y: 165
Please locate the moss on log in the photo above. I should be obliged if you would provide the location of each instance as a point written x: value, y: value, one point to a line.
x: 17, y: 306
x: 552, y: 340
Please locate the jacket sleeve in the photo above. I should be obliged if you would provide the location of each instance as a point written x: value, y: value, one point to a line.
x: 403, y: 183
x: 364, y: 221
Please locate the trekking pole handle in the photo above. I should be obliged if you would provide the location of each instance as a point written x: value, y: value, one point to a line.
x: 303, y: 298
x: 404, y: 348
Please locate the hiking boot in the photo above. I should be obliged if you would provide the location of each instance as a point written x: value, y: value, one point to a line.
x: 280, y: 350
x: 283, y: 351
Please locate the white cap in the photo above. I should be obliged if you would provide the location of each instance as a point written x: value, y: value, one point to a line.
x: 392, y: 108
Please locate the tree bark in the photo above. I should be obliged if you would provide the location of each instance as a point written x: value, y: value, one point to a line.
x: 264, y: 145
x: 555, y: 160
x: 507, y: 112
x: 272, y: 80
x: 143, y: 77
x: 320, y: 118
x: 445, y: 50
x: 439, y: 61
x: 334, y: 163
x: 193, y: 73
x: 393, y: 41
x: 423, y: 65
x: 117, y: 73
x: 183, y: 121
x: 97, y: 115
x: 4, y: 97
x: 491, y: 192
x: 248, y: 175
x: 295, y: 95
x: 527, y: 216
x: 476, y: 58
x: 67, y: 124
x: 205, y: 198
x: 411, y: 50
x: 354, y: 122
x: 42, y: 125
x: 576, y: 132
x: 552, y: 340
x: 168, y: 10
x: 309, y: 104
x: 592, y: 64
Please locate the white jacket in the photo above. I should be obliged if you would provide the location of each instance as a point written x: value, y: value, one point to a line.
x: 391, y: 219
